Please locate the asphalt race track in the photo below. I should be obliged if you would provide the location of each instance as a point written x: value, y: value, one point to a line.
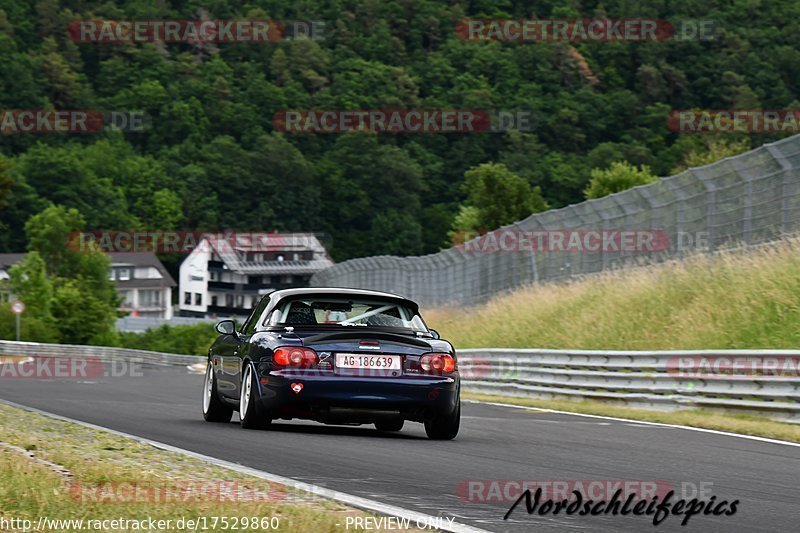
x: 495, y: 443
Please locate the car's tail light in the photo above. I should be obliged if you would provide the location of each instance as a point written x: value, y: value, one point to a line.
x: 296, y: 357
x: 437, y: 363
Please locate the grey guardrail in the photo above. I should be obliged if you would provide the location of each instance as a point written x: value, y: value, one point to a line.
x: 764, y: 381
x: 102, y: 353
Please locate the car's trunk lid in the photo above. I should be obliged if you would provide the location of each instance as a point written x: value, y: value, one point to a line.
x: 361, y: 342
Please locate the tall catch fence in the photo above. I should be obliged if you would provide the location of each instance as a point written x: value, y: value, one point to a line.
x: 749, y: 199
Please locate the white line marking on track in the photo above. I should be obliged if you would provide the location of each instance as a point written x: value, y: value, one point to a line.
x: 639, y: 422
x: 538, y: 420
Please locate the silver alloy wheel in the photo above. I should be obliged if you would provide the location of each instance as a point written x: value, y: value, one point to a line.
x: 244, y: 397
x: 208, y: 388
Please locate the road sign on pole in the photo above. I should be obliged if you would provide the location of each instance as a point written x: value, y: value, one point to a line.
x: 18, y: 308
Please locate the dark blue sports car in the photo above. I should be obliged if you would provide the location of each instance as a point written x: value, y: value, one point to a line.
x: 337, y: 356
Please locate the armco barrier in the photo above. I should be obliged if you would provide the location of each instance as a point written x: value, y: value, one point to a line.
x: 103, y: 353
x: 763, y: 381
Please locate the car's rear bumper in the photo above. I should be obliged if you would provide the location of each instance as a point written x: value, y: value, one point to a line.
x: 334, y: 398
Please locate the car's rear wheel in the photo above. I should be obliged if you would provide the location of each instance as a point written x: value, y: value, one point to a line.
x: 213, y: 408
x: 250, y: 413
x: 444, y: 427
x: 390, y: 425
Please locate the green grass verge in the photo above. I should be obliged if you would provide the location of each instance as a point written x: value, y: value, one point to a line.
x: 31, y: 488
x: 744, y: 300
x: 734, y: 423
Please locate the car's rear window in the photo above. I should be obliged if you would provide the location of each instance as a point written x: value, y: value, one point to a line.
x: 343, y: 311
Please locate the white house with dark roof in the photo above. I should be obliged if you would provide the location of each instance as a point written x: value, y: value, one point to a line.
x: 226, y: 275
x: 143, y: 283
x: 141, y: 280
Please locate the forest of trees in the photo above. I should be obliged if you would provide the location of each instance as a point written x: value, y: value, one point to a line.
x: 211, y: 160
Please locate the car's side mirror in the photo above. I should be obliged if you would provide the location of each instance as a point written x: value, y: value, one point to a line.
x: 226, y: 327
x: 434, y: 333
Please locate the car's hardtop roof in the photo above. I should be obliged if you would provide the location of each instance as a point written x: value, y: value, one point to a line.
x: 337, y: 291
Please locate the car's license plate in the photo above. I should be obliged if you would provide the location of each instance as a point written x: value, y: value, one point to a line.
x: 365, y: 361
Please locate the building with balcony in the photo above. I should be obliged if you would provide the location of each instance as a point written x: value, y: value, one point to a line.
x: 225, y: 277
x: 143, y: 283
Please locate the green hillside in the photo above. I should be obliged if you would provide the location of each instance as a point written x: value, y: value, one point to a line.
x: 211, y: 160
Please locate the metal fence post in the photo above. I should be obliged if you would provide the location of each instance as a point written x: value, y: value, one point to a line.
x: 787, y: 171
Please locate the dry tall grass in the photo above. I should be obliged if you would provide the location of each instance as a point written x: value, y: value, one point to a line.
x: 733, y: 300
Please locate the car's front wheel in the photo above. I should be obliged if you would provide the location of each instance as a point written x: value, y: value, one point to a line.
x: 213, y: 408
x: 250, y: 414
x: 444, y: 427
